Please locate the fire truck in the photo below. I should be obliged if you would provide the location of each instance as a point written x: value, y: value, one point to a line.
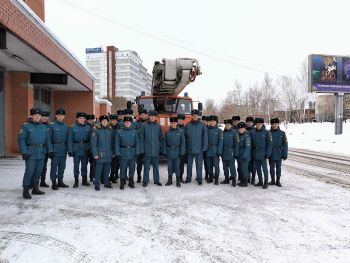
x: 170, y: 77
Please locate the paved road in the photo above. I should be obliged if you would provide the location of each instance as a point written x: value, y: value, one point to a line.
x: 306, y: 220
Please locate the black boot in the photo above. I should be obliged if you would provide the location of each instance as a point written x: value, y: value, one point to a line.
x: 182, y: 178
x: 266, y: 185
x: 122, y: 183
x: 139, y: 178
x: 210, y: 179
x: 226, y: 181
x: 206, y: 177
x: 97, y: 188
x: 244, y: 183
x: 170, y: 180
x: 259, y: 184
x: 112, y: 179
x: 91, y: 178
x: 272, y: 182
x: 278, y: 182
x: 76, y: 182
x: 54, y: 185
x: 85, y: 181
x: 26, y: 194
x: 43, y: 183
x: 36, y: 190
x: 253, y: 180
x: 131, y: 182
x: 62, y: 184
x: 158, y: 183
x: 178, y: 180
x: 216, y: 180
x: 233, y: 182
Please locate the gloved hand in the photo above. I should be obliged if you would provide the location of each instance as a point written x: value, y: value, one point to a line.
x: 70, y: 154
x: 267, y: 156
x: 236, y: 157
x: 25, y: 156
x: 51, y: 155
x: 284, y: 158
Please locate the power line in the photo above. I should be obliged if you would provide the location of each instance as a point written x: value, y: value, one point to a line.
x: 102, y: 17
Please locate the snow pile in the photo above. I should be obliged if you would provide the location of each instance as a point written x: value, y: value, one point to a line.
x: 318, y: 137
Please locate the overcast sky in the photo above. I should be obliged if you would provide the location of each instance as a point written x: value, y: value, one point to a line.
x: 231, y: 39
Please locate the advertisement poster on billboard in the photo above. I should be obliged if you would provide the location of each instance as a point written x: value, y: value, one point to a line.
x: 329, y: 73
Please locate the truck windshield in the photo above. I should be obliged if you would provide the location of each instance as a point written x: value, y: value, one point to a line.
x: 166, y: 105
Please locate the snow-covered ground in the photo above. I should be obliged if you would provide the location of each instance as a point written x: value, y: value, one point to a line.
x: 304, y: 221
x: 318, y: 137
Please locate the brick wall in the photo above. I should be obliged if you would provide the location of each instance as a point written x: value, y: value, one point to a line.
x: 38, y: 6
x: 19, y: 101
x: 72, y: 102
x: 34, y: 36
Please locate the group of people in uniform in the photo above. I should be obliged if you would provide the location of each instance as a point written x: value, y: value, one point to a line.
x: 116, y: 146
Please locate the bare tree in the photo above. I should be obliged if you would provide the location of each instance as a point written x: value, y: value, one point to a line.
x: 118, y: 103
x: 210, y: 108
x: 268, y: 95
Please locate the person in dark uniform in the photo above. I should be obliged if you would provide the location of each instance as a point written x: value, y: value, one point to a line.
x: 250, y: 127
x: 79, y: 136
x: 181, y: 124
x: 196, y: 143
x: 262, y: 148
x: 113, y: 177
x: 244, y: 153
x: 127, y: 147
x: 34, y: 143
x: 59, y: 138
x: 90, y: 119
x: 236, y: 119
x: 44, y: 120
x: 103, y: 151
x: 230, y: 152
x: 279, y: 151
x: 152, y: 137
x: 140, y: 126
x: 173, y: 148
x: 215, y: 142
x: 205, y: 121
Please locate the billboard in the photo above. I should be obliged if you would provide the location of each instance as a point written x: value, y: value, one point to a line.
x: 329, y: 73
x: 93, y: 50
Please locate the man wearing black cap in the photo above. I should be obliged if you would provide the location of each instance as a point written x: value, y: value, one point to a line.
x: 59, y: 138
x: 152, y: 144
x: 45, y: 121
x: 140, y: 126
x: 127, y: 147
x: 120, y: 114
x: 244, y: 153
x: 79, y: 136
x: 230, y: 152
x: 103, y: 151
x: 250, y: 127
x: 90, y: 119
x: 181, y: 124
x: 114, y: 174
x: 34, y: 143
x: 173, y: 148
x: 279, y: 151
x: 214, y: 151
x: 236, y: 119
x: 262, y: 148
x: 196, y: 143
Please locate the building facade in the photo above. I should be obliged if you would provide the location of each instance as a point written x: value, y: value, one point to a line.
x: 36, y: 69
x: 118, y: 72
